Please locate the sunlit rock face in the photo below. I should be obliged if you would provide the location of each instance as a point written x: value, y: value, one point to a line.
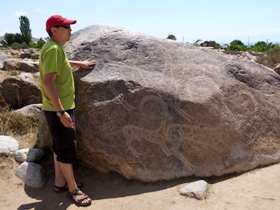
x: 156, y: 109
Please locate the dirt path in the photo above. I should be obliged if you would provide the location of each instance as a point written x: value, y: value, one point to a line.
x: 255, y: 190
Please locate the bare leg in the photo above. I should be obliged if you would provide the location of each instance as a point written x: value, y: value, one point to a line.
x: 64, y: 172
x: 59, y: 178
x: 68, y: 174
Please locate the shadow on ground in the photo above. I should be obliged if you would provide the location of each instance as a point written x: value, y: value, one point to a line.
x: 99, y: 186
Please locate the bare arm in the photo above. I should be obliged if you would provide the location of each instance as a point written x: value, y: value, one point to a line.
x: 53, y: 95
x: 86, y: 64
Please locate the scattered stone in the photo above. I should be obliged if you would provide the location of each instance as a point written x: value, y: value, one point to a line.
x: 19, y: 91
x: 10, y: 64
x: 24, y: 55
x: 195, y: 190
x: 8, y: 145
x: 29, y: 155
x: 32, y: 174
x: 14, y: 52
x: 28, y: 66
x: 29, y: 110
x: 2, y: 58
x: 277, y: 68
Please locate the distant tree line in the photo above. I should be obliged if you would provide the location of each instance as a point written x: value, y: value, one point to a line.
x: 261, y: 46
x: 270, y: 59
x: 237, y: 45
x: 23, y: 39
x: 271, y: 52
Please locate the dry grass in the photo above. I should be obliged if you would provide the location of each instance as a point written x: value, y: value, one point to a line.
x: 23, y: 128
x: 271, y: 58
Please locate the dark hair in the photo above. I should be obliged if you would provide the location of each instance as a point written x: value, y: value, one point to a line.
x: 50, y: 33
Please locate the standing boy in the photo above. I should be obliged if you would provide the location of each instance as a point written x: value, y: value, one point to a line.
x: 58, y: 93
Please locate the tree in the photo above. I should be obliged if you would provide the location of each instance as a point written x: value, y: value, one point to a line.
x: 171, y: 36
x: 262, y: 46
x: 25, y: 29
x: 237, y: 45
x: 11, y: 38
x: 215, y: 44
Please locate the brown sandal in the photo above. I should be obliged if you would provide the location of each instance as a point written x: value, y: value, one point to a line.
x: 78, y: 197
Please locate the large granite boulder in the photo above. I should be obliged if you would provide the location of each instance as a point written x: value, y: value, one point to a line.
x: 19, y: 91
x: 155, y: 109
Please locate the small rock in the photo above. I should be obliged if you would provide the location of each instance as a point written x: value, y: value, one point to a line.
x: 32, y: 174
x: 29, y: 110
x: 8, y: 145
x: 195, y: 190
x: 29, y: 155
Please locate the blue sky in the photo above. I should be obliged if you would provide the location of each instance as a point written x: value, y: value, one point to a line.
x: 218, y: 20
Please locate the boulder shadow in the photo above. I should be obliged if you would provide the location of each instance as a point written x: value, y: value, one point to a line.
x: 80, y: 72
x: 97, y: 186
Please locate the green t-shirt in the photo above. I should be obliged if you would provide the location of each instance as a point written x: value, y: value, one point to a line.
x: 53, y: 59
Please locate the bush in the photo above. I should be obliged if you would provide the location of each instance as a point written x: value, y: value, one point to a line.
x: 271, y: 58
x: 24, y: 45
x: 16, y: 46
x: 171, y: 36
x: 38, y: 44
x: 237, y: 45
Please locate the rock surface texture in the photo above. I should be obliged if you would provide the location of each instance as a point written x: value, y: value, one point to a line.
x: 32, y: 174
x: 155, y: 109
x: 19, y: 91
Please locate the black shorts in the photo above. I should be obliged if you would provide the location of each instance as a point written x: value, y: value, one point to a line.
x: 64, y: 139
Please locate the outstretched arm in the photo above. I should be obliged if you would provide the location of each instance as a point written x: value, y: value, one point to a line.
x: 86, y: 64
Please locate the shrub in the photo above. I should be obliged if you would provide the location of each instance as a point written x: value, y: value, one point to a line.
x: 271, y: 58
x: 24, y: 45
x: 38, y: 44
x: 237, y: 45
x: 16, y: 46
x: 171, y: 36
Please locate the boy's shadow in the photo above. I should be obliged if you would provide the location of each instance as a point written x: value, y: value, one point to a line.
x: 47, y: 198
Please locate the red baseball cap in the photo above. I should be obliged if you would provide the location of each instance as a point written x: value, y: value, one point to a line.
x: 56, y: 20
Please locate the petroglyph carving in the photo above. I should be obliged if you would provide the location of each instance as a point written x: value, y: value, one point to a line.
x: 172, y: 137
x: 158, y: 137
